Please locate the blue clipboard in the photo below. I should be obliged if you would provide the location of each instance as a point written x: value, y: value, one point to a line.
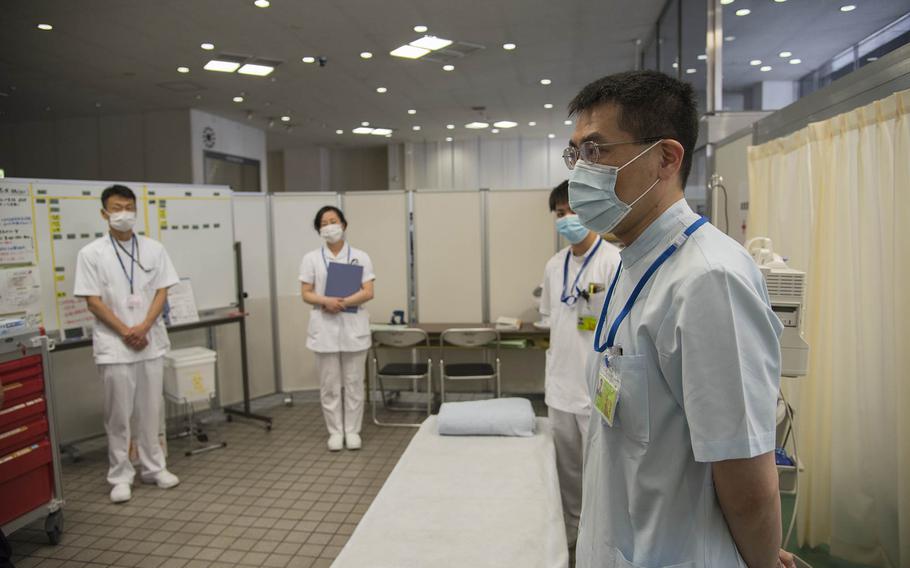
x: 344, y: 280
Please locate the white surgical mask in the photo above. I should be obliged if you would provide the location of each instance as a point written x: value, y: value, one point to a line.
x: 122, y: 220
x: 592, y: 194
x: 332, y: 233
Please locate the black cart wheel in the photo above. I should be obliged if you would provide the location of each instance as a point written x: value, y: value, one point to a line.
x: 53, y: 526
x: 229, y: 418
x: 202, y: 437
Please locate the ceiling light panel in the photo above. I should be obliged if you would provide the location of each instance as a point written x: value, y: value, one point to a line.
x: 431, y: 43
x: 409, y: 52
x: 222, y: 66
x: 256, y: 69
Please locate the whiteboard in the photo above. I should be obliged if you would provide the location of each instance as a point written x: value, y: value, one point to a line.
x: 378, y: 224
x: 67, y: 216
x: 448, y: 259
x: 521, y: 238
x: 293, y: 236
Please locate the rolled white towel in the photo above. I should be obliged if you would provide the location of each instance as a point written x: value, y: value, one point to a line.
x: 494, y: 417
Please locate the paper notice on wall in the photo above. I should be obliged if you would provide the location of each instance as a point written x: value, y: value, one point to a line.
x: 17, y: 244
x: 74, y: 313
x: 182, y: 303
x: 20, y: 293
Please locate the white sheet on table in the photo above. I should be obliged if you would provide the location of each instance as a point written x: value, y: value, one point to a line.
x: 465, y: 501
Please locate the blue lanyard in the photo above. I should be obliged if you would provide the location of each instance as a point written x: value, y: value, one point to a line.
x: 572, y: 297
x: 680, y: 240
x: 132, y: 256
x: 326, y: 260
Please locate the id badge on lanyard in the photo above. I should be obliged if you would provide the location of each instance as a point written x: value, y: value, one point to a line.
x: 609, y: 383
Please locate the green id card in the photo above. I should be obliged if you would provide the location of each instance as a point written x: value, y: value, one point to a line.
x: 587, y: 323
x: 606, y: 395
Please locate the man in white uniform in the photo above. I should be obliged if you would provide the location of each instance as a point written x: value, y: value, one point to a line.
x: 679, y: 468
x: 124, y: 279
x: 574, y: 286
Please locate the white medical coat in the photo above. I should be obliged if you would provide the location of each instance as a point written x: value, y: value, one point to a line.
x: 99, y: 273
x: 700, y: 374
x: 342, y: 332
x: 566, y: 383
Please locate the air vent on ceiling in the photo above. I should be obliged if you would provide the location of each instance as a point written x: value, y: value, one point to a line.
x: 181, y: 86
x: 457, y: 51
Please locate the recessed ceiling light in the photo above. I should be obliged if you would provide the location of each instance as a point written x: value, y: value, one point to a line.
x: 476, y: 125
x: 551, y: 136
x: 702, y: 57
x: 262, y: 3
x: 365, y: 55
x: 285, y: 118
x: 339, y: 131
x: 257, y: 70
x: 45, y: 27
x: 755, y: 62
x: 743, y: 12
x: 381, y: 90
x: 448, y: 67
x: 765, y: 68
x: 505, y: 124
x: 431, y: 42
x: 567, y: 122
x: 415, y: 128
x: 364, y: 123
x: 545, y: 81
x: 509, y: 46
x: 221, y: 66
x: 495, y: 131
x: 690, y: 71
x: 532, y: 123
x: 450, y: 127
x: 780, y: 1
x: 362, y: 130
x: 870, y: 58
x: 183, y: 69
x: 207, y: 46
x: 409, y: 52
x: 382, y: 131
x: 725, y: 2
x: 675, y: 65
x: 238, y: 99
x: 797, y: 61
x: 412, y: 111
x: 785, y: 54
x: 548, y: 105
x: 730, y: 38
x: 448, y: 138
x: 847, y: 8
x: 420, y: 29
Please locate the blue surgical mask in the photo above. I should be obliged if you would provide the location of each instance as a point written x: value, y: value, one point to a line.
x: 592, y: 194
x: 571, y: 228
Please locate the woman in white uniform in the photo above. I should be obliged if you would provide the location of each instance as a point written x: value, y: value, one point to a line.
x: 339, y: 329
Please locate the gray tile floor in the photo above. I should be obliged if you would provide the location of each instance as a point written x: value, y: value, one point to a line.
x: 274, y: 498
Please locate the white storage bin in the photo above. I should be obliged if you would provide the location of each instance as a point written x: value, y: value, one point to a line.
x: 189, y: 374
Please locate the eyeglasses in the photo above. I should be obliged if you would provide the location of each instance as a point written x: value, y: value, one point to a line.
x: 590, y: 151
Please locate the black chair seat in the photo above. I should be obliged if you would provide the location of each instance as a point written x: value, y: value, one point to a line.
x: 403, y: 369
x: 469, y: 370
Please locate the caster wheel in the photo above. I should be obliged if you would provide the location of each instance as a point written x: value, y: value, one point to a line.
x: 203, y: 438
x: 230, y: 418
x: 268, y: 428
x: 53, y: 526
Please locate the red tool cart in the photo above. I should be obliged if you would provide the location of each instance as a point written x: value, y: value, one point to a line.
x: 30, y: 476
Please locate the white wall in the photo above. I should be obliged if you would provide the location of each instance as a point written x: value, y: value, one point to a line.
x: 151, y: 146
x: 507, y: 163
x: 231, y: 137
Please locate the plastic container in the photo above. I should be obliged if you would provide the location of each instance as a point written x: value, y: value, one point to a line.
x: 189, y: 374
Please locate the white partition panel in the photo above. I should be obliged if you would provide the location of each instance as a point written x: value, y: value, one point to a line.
x: 448, y: 262
x: 521, y: 237
x: 251, y: 223
x: 294, y: 236
x: 378, y: 224
x: 731, y: 163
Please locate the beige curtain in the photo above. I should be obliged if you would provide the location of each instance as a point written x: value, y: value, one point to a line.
x: 835, y: 199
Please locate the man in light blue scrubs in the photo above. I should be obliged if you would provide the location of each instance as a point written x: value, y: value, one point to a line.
x: 679, y: 469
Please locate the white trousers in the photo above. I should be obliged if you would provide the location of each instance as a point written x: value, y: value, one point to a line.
x: 133, y: 390
x: 569, y: 434
x: 337, y: 372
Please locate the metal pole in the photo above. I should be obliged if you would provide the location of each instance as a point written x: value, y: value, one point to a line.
x: 714, y: 44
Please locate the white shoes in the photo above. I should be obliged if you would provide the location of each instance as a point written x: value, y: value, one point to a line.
x: 163, y: 479
x: 352, y: 441
x: 121, y: 493
x: 336, y: 442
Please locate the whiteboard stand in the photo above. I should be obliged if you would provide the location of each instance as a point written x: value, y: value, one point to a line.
x: 244, y: 366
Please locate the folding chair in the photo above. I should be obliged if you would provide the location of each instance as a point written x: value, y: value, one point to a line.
x: 470, y: 338
x: 408, y: 338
